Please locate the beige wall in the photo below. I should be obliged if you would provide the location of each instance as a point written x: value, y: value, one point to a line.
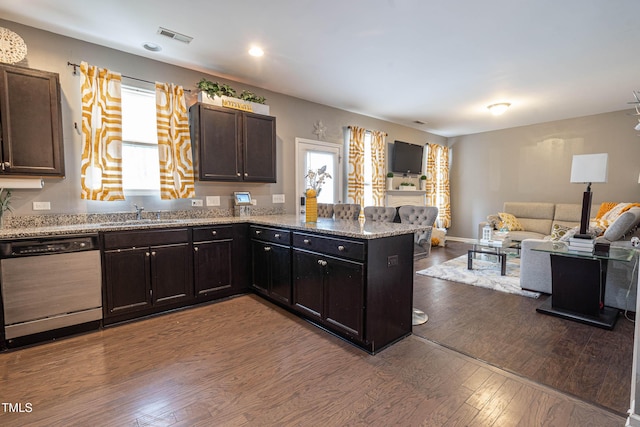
x: 533, y: 163
x: 295, y: 118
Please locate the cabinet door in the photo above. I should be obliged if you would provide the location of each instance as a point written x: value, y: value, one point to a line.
x: 127, y: 281
x: 259, y: 154
x: 212, y: 267
x: 31, y: 122
x: 217, y: 139
x: 308, y: 283
x: 260, y: 266
x: 280, y: 272
x: 344, y: 295
x: 170, y: 273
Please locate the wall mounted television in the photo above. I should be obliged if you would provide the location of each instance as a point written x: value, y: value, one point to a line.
x: 407, y: 158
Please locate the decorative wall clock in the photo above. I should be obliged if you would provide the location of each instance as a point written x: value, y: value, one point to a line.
x: 12, y: 48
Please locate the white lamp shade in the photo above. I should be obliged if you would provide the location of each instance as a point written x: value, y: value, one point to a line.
x: 589, y: 168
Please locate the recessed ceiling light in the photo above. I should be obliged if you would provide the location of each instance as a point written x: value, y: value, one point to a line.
x: 256, y: 51
x: 152, y: 47
x: 499, y: 108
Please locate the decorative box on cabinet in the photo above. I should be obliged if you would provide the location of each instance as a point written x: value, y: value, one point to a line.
x: 145, y: 272
x: 231, y: 145
x: 31, y: 122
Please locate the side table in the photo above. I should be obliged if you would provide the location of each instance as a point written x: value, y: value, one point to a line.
x: 578, y: 284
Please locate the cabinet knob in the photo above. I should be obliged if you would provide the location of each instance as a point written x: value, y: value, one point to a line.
x: 153, y: 253
x: 147, y: 254
x: 341, y: 248
x: 277, y: 235
x: 239, y: 174
x: 267, y: 248
x: 322, y: 262
x: 6, y: 165
x: 258, y: 231
x: 195, y: 249
x: 246, y: 174
x: 214, y: 232
x: 306, y: 241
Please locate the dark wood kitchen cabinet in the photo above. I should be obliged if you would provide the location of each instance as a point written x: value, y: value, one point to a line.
x: 329, y: 288
x: 31, y: 122
x: 271, y: 263
x: 145, y: 272
x: 213, y: 261
x: 231, y: 145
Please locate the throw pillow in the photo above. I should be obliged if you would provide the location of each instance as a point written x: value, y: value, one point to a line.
x: 494, y: 221
x: 509, y: 221
x: 604, y: 208
x: 622, y: 225
x: 558, y: 231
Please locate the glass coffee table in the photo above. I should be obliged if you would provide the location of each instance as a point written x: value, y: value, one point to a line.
x: 498, y: 250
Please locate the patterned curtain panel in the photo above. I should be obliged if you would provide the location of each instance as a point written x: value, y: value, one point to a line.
x: 378, y: 159
x: 438, y: 193
x: 355, y: 178
x: 101, y: 163
x: 174, y: 143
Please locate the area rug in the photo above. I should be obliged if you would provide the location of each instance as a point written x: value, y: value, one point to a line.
x: 485, y: 274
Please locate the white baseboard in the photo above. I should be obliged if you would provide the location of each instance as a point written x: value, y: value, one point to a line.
x: 461, y: 239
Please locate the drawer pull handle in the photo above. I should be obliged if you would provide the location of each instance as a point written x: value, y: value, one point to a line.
x: 258, y: 231
x: 341, y: 248
x: 306, y: 241
x: 277, y: 235
x: 214, y: 232
x: 322, y: 262
x: 267, y: 248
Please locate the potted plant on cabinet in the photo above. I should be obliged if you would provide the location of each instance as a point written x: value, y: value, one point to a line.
x: 220, y: 94
x: 390, y: 181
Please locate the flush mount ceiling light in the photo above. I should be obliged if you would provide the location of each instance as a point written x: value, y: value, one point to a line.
x: 499, y: 108
x: 152, y: 47
x: 256, y: 51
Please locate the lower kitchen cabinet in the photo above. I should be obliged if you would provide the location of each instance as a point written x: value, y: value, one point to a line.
x: 329, y: 289
x: 213, y: 261
x: 145, y: 272
x: 271, y: 263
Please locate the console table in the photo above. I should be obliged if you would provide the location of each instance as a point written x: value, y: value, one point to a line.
x: 578, y: 284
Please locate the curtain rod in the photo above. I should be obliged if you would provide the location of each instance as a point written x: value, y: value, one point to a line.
x: 351, y: 127
x: 75, y: 71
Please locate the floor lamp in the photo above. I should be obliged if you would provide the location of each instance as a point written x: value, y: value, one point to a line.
x: 588, y: 169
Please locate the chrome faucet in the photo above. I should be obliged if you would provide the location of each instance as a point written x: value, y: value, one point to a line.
x: 138, y: 211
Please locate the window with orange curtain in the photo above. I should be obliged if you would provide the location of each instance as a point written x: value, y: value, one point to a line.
x: 438, y: 192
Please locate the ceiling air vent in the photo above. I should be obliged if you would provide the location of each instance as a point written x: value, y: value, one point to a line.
x: 173, y: 35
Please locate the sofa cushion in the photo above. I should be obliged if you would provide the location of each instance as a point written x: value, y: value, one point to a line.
x: 510, y: 222
x: 521, y: 235
x: 623, y: 225
x: 558, y: 231
x: 533, y: 216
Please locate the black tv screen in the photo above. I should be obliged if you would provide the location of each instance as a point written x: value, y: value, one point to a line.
x: 407, y: 158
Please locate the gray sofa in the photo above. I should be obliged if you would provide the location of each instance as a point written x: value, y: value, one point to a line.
x: 539, y: 220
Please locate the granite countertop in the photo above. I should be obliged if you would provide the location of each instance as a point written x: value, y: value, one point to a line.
x: 347, y: 228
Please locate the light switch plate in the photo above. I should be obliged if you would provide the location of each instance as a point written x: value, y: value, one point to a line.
x: 213, y: 200
x: 41, y: 206
x: 196, y: 202
x: 277, y: 198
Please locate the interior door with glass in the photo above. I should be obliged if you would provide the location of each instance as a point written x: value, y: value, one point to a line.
x: 313, y: 155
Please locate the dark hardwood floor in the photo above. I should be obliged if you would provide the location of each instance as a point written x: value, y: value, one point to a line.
x: 505, y: 330
x: 246, y: 362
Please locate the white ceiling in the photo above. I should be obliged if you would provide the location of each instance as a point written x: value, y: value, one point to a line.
x: 440, y: 62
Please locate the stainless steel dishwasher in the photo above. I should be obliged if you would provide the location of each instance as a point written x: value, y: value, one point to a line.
x: 49, y: 284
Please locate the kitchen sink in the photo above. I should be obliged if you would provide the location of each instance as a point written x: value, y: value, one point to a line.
x: 139, y: 222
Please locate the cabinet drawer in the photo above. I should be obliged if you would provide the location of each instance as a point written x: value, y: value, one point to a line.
x: 127, y: 239
x: 331, y: 246
x: 273, y: 235
x: 205, y: 234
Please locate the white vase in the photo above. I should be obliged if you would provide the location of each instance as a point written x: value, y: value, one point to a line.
x: 389, y: 183
x: 423, y: 184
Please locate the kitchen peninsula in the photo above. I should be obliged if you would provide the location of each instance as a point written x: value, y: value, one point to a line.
x: 354, y: 279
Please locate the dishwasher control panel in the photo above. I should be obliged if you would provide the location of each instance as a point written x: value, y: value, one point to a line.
x: 46, y: 246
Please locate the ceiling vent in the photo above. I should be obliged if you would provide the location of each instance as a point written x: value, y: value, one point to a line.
x: 173, y: 35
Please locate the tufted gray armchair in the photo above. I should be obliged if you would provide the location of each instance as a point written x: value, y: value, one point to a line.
x: 325, y: 210
x: 346, y: 210
x: 379, y: 213
x: 421, y: 215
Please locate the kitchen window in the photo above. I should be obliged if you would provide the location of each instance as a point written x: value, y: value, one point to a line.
x: 140, y: 163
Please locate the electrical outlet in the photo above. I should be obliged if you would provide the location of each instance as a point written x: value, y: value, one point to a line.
x: 213, y: 200
x: 41, y: 206
x: 196, y: 202
x: 277, y: 198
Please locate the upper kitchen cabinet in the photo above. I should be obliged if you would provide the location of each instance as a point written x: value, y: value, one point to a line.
x: 31, y: 122
x: 231, y: 145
